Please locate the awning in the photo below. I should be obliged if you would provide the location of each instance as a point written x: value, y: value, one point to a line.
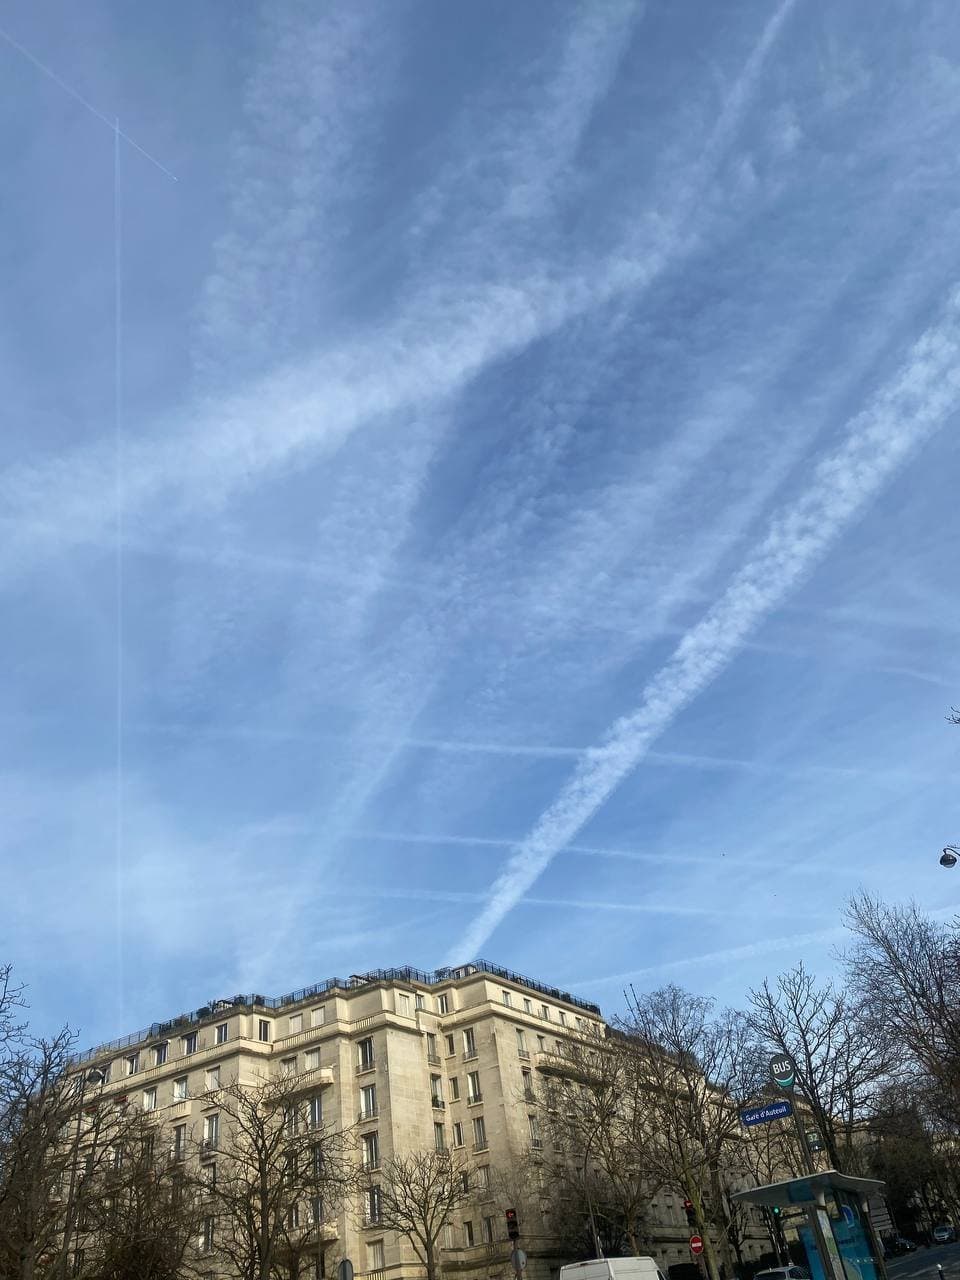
x: 805, y: 1190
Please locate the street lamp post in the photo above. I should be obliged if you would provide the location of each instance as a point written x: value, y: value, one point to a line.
x: 586, y: 1189
x: 94, y: 1077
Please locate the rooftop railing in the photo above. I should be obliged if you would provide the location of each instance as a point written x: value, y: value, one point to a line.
x: 221, y: 1008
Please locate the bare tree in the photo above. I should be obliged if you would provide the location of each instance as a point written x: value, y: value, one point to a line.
x: 279, y: 1174
x: 11, y: 999
x: 415, y: 1196
x: 842, y: 1057
x: 700, y: 1068
x: 142, y: 1214
x: 56, y: 1135
x: 906, y: 969
x: 598, y: 1113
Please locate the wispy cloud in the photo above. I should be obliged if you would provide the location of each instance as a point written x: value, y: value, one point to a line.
x: 727, y: 956
x: 906, y: 411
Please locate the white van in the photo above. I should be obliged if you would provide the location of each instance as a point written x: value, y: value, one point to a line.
x: 612, y: 1269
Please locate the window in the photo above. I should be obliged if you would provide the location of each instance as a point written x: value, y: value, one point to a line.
x: 468, y: 1234
x: 507, y: 999
x: 403, y: 1004
x: 365, y: 1059
x: 432, y: 1055
x: 457, y: 1133
x: 148, y: 1147
x: 294, y: 1024
x: 318, y: 1016
x: 542, y: 1043
x: 522, y: 1049
x: 211, y: 1132
x: 189, y: 1042
x: 206, y: 1235
x: 180, y: 1089
x: 316, y: 1111
x: 368, y: 1101
x: 371, y: 1150
x: 455, y: 1088
x: 133, y: 1064
x: 527, y: 1005
x: 439, y: 1137
x: 209, y: 1174
x: 469, y: 1043
x: 78, y: 1261
x: 486, y: 1230
x: 373, y: 1206
x: 527, y: 1077
x: 159, y: 1054
x: 535, y: 1140
x: 443, y: 1004
x: 179, y: 1141
x: 213, y: 1077
x: 149, y: 1099
x: 419, y: 1000
x: 311, y: 1060
x: 288, y: 1066
x: 448, y: 1241
x: 563, y: 1018
x: 263, y: 1029
x: 222, y: 1033
x: 316, y: 1209
x: 118, y: 1158
x: 451, y: 1045
x: 473, y: 1087
x: 581, y: 1024
x: 316, y: 1161
x: 465, y: 1180
x: 293, y: 1215
x: 436, y: 1091
x: 291, y: 1121
x: 375, y: 1256
x: 483, y: 1176
x: 544, y: 1013
x: 479, y: 1134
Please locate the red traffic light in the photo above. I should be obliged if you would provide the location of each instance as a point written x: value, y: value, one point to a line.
x: 513, y: 1224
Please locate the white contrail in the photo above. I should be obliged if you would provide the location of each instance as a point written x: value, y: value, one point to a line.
x: 909, y: 409
x: 749, y: 951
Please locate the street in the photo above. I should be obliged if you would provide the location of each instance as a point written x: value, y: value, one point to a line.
x: 924, y: 1263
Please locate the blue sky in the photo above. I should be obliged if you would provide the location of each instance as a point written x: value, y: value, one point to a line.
x: 475, y: 480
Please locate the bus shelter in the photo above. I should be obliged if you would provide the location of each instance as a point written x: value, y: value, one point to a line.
x: 838, y: 1236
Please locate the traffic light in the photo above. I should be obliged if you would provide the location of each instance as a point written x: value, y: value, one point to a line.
x: 513, y: 1224
x: 690, y: 1212
x: 776, y: 1211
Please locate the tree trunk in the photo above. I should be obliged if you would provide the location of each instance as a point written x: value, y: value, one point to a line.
x: 430, y: 1262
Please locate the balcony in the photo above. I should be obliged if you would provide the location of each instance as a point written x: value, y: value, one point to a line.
x: 364, y: 1067
x: 208, y: 1147
x: 524, y: 1053
x: 481, y: 1146
x: 536, y: 1144
x: 434, y: 1059
x: 372, y: 1220
x: 438, y: 1103
x: 470, y: 1055
x: 368, y: 1115
x: 311, y: 1078
x: 473, y: 1099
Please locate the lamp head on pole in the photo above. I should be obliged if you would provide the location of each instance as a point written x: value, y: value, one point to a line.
x: 950, y: 856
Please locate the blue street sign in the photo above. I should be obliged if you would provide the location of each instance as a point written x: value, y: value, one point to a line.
x: 763, y: 1115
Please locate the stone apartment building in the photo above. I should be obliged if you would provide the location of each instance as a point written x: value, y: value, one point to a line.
x: 415, y: 1061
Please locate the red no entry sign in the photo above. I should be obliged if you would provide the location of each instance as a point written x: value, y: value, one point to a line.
x: 696, y: 1245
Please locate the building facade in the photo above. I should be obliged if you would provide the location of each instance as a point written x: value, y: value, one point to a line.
x: 411, y: 1061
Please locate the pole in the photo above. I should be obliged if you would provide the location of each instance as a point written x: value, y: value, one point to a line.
x: 804, y: 1144
x: 586, y: 1188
